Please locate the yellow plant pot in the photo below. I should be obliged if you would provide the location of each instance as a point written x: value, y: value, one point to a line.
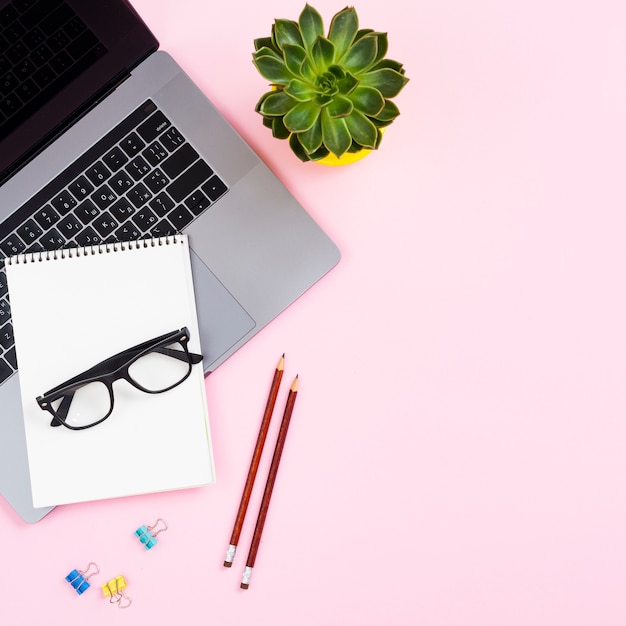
x: 344, y: 159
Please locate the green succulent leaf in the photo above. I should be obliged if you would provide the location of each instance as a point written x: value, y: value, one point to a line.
x: 362, y: 32
x: 311, y: 139
x: 297, y: 148
x: 307, y: 71
x: 368, y: 100
x: 287, y: 32
x: 301, y: 117
x: 311, y: 26
x: 294, y: 57
x: 272, y: 68
x: 387, y: 81
x: 263, y: 42
x: 390, y: 63
x: 363, y: 131
x: 343, y: 29
x: 265, y: 51
x: 383, y: 45
x: 322, y: 99
x: 276, y: 103
x: 337, y: 71
x: 388, y: 113
x: 335, y: 134
x: 300, y: 90
x: 323, y: 54
x: 340, y: 106
x: 348, y: 84
x: 279, y: 130
x: 361, y: 55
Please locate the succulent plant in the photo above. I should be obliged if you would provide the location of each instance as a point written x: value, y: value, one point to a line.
x: 329, y: 94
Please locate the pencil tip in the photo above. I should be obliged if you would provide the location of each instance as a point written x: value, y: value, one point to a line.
x: 294, y: 386
x: 281, y: 363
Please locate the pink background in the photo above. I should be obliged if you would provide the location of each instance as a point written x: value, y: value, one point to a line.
x: 456, y: 455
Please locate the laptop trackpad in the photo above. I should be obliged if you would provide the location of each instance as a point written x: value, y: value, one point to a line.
x: 221, y: 319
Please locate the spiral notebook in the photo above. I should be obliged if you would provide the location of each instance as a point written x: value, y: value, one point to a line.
x: 71, y: 310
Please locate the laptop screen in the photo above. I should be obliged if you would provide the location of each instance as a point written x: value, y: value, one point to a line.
x: 57, y: 58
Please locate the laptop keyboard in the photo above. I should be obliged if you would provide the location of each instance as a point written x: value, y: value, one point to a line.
x: 143, y: 179
x: 43, y: 46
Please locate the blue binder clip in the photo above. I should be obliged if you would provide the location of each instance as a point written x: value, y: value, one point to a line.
x: 147, y: 536
x: 78, y: 578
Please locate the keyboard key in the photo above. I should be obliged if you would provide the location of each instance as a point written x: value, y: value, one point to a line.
x: 122, y: 210
x: 11, y: 357
x: 171, y: 139
x: 62, y: 61
x: 105, y: 224
x: 161, y: 204
x: 153, y: 126
x: 82, y: 44
x: 29, y: 231
x: 180, y: 161
x: 180, y: 217
x: 197, y: 202
x: 155, y: 153
x: 139, y: 195
x: 86, y: 211
x: 47, y: 217
x: 6, y: 336
x: 5, y: 310
x: 156, y: 180
x: 104, y: 197
x: 12, y: 245
x: 138, y: 168
x: 190, y: 180
x: 98, y: 173
x: 3, y: 282
x: 121, y: 182
x: 52, y: 240
x: 41, y: 55
x: 63, y: 202
x: 127, y: 232
x: 88, y: 237
x: 44, y: 75
x: 163, y: 229
x: 69, y: 226
x: 115, y: 159
x: 5, y: 370
x: 145, y: 219
x: 81, y: 188
x: 132, y: 144
x: 215, y: 188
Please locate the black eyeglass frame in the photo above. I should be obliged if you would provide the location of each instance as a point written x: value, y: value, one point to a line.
x: 116, y: 368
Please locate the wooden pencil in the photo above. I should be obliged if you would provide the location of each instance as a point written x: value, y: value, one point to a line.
x: 269, y: 486
x: 254, y: 463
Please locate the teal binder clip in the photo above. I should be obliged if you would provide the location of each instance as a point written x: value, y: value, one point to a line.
x: 147, y: 534
x: 78, y: 578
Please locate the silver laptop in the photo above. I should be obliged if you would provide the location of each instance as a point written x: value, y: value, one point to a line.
x: 103, y: 138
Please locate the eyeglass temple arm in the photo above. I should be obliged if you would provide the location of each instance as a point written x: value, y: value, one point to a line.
x: 181, y: 356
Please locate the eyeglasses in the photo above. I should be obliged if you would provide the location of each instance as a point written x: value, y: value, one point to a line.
x: 154, y: 366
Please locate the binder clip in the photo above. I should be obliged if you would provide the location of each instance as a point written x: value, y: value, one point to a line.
x: 114, y: 590
x: 78, y: 578
x: 146, y: 535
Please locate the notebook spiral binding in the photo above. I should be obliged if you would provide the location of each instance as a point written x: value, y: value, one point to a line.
x: 102, y: 248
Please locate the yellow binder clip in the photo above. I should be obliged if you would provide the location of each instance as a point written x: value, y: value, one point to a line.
x: 114, y: 590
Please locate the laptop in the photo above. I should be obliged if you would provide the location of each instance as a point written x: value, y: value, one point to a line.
x: 104, y: 138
